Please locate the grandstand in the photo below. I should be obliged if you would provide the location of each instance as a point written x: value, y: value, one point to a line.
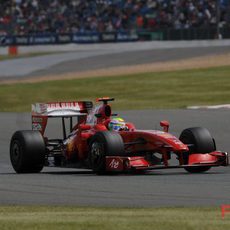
x: 160, y: 19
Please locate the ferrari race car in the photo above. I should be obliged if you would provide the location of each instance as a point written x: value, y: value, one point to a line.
x: 92, y: 144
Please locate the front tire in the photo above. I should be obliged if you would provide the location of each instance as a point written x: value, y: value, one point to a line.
x: 198, y: 169
x: 104, y: 144
x: 200, y: 141
x: 27, y: 151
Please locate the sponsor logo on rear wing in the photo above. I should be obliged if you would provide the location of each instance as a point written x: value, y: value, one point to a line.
x: 61, y: 109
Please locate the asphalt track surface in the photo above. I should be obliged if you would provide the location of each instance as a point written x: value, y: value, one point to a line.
x: 127, y: 58
x: 56, y: 186
x: 83, y: 60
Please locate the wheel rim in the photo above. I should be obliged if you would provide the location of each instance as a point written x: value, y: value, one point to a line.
x: 97, y: 152
x: 15, y: 152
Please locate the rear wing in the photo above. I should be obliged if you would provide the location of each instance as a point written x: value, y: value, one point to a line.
x: 60, y: 109
x: 42, y: 111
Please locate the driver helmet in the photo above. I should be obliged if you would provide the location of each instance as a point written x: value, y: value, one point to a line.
x: 117, y: 124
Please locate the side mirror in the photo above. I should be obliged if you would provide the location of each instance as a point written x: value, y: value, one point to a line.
x: 165, y: 125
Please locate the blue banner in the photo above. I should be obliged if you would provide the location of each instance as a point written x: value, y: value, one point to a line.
x: 79, y: 38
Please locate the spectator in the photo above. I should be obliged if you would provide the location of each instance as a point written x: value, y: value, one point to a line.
x: 62, y: 16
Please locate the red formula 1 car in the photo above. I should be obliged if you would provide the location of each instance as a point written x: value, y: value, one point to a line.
x: 92, y: 144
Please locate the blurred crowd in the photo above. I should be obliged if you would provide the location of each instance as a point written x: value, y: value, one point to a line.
x: 70, y: 16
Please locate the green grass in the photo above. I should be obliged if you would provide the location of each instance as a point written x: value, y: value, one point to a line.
x: 55, y: 218
x: 176, y: 89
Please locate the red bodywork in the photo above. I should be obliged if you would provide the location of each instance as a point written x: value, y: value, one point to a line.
x: 139, y: 144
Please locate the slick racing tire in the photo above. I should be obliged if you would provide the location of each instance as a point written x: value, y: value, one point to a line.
x: 201, y: 141
x: 104, y: 144
x: 198, y: 169
x: 27, y: 151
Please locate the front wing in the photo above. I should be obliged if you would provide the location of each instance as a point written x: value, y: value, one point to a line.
x: 122, y: 164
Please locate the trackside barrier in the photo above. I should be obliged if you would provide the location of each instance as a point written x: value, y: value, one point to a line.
x: 225, y: 209
x: 78, y: 38
x: 13, y: 50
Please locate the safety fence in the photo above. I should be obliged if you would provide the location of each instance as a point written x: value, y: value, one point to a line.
x: 51, y: 38
x: 144, y: 35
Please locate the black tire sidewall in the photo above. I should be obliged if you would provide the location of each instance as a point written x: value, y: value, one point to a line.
x: 19, y: 160
x: 100, y: 165
x: 32, y: 151
x: 200, y: 138
x: 197, y: 169
x: 202, y: 142
x: 112, y: 144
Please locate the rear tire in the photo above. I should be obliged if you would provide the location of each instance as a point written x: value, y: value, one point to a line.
x: 201, y: 141
x: 104, y: 144
x: 27, y: 151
